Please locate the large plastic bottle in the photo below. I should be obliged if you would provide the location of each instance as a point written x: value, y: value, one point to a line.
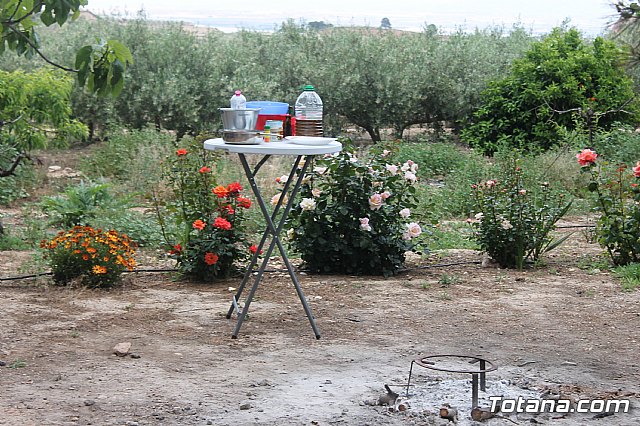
x: 308, y: 111
x: 238, y: 101
x: 309, y: 105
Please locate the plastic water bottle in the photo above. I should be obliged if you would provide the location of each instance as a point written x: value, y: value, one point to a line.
x: 309, y: 105
x: 308, y: 110
x: 238, y: 101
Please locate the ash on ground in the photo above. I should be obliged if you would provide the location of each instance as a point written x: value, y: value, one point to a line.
x: 429, y: 394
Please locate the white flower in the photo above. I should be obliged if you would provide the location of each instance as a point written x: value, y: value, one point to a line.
x: 308, y: 204
x: 385, y: 152
x: 290, y: 233
x: 413, y: 230
x: 410, y: 176
x: 405, y: 213
x: 385, y: 195
x: 320, y: 170
x: 282, y: 179
x: 316, y: 192
x: 491, y: 183
x: 364, y: 224
x: 522, y: 192
x: 392, y: 168
x: 506, y: 224
x: 375, y: 201
x: 479, y: 216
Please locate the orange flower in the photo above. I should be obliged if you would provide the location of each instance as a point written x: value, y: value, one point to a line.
x: 85, y: 257
x: 181, y: 152
x: 221, y: 191
x: 210, y: 258
x: 91, y: 250
x: 205, y: 169
x: 97, y: 269
x: 199, y: 225
x: 587, y: 157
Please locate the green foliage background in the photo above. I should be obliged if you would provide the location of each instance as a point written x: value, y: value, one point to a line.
x: 368, y: 77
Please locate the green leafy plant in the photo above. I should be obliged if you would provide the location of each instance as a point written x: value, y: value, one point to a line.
x: 559, y: 78
x: 513, y: 222
x: 355, y: 214
x: 211, y: 236
x: 618, y: 203
x: 81, y: 204
x: 629, y: 276
x: 94, y: 256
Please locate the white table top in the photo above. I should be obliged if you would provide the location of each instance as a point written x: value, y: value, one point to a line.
x: 274, y: 148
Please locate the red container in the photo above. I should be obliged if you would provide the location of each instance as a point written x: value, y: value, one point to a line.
x: 263, y: 119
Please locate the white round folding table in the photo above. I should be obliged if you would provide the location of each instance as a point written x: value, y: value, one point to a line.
x: 303, y: 147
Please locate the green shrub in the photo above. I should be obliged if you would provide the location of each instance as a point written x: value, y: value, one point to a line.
x: 354, y: 216
x: 620, y: 144
x: 81, y: 204
x: 513, y: 221
x: 560, y: 83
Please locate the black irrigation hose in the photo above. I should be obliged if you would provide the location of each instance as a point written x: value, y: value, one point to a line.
x: 439, y: 265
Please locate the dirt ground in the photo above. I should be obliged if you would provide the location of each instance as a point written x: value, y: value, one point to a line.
x: 564, y: 329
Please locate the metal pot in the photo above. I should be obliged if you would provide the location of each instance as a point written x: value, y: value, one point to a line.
x: 241, y: 137
x: 239, y: 119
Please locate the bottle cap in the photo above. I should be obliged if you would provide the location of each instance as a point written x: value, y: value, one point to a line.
x: 309, y: 88
x: 267, y: 127
x: 238, y: 92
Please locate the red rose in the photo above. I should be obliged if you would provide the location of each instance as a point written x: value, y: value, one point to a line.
x: 222, y: 223
x: 210, y: 258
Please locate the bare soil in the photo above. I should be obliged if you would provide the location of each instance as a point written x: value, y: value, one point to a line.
x: 564, y: 328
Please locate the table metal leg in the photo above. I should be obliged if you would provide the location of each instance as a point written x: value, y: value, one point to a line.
x: 275, y: 241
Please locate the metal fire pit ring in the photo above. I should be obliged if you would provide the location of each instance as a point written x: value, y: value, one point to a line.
x: 478, y: 376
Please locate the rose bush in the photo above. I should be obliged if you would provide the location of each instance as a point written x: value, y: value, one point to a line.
x: 354, y: 215
x: 512, y: 222
x: 211, y: 237
x: 617, y: 200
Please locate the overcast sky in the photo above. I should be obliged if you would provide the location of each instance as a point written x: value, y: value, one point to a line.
x: 591, y: 16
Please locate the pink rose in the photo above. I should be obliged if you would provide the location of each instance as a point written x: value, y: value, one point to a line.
x: 586, y: 157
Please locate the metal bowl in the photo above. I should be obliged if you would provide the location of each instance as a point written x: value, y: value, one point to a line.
x: 239, y: 119
x: 241, y: 137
